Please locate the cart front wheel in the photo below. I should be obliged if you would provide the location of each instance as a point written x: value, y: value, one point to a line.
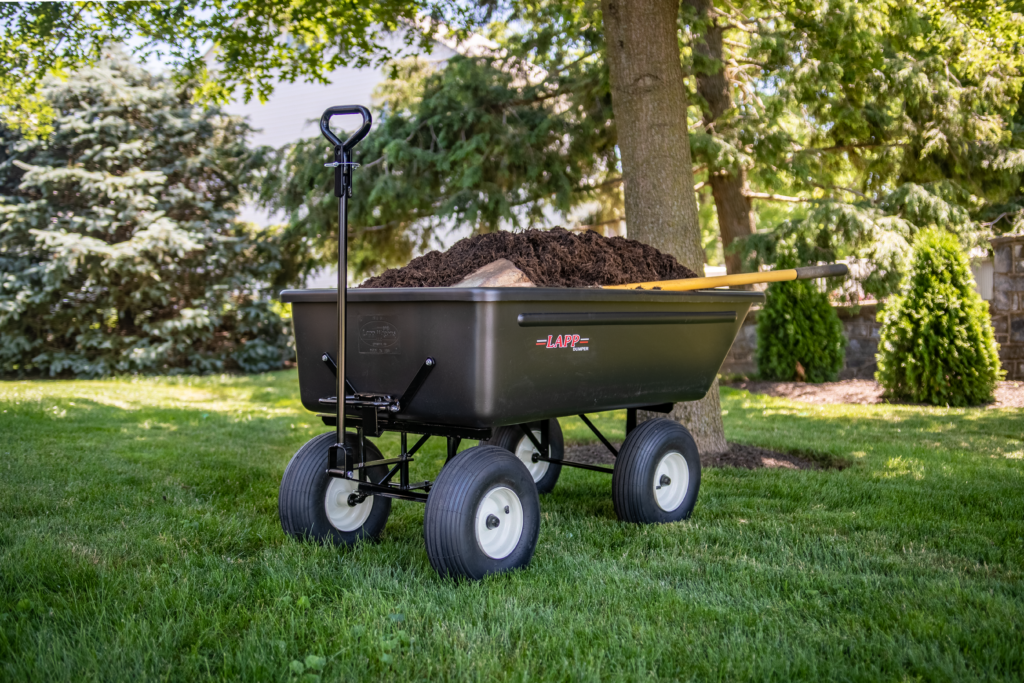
x: 545, y: 474
x: 326, y: 509
x: 482, y: 516
x: 657, y: 474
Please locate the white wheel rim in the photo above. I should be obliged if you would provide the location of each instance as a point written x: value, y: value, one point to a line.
x: 499, y: 522
x: 340, y: 514
x: 671, y: 480
x: 525, y: 452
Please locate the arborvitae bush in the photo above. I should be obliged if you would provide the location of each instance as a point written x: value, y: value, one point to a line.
x: 119, y: 246
x: 937, y: 344
x: 799, y: 326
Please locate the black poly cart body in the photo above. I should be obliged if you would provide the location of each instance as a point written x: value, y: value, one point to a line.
x: 499, y: 365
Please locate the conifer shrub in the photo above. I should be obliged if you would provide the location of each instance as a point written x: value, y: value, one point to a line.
x: 120, y: 248
x: 937, y: 345
x: 799, y: 336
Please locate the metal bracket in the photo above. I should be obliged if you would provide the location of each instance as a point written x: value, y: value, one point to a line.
x: 333, y: 367
x: 580, y: 465
x: 453, y: 447
x: 415, y: 385
x: 606, y: 442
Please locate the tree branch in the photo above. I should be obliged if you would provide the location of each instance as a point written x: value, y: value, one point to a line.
x: 775, y: 197
x: 598, y: 225
x: 847, y: 148
x: 842, y: 189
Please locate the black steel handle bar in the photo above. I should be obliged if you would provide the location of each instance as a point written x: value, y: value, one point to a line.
x: 666, y: 318
x: 345, y: 110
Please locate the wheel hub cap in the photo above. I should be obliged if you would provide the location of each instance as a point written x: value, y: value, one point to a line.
x: 499, y: 522
x: 338, y: 503
x: 671, y: 479
x: 525, y: 451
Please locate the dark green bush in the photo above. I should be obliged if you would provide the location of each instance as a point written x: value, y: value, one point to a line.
x: 799, y: 326
x: 937, y: 344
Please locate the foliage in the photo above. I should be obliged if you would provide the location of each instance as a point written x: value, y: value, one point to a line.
x: 257, y: 44
x: 119, y: 250
x: 879, y: 232
x: 884, y: 118
x: 875, y: 119
x: 937, y: 344
x: 128, y: 509
x: 480, y: 141
x: 799, y: 335
x: 858, y: 122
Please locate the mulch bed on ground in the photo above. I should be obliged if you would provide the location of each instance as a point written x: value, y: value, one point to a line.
x: 739, y: 455
x: 550, y: 258
x: 863, y: 391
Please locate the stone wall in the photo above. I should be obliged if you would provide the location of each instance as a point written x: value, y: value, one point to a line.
x: 860, y: 329
x: 1007, y: 305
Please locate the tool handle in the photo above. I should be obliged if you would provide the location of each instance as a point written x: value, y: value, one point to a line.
x: 344, y: 110
x: 691, y: 284
x: 831, y: 270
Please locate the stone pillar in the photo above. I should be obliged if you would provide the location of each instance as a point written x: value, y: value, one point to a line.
x: 1007, y: 305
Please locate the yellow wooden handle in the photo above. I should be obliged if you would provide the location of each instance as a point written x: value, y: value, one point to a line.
x: 690, y: 284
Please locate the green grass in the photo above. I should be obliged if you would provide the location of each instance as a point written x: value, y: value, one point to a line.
x: 139, y: 540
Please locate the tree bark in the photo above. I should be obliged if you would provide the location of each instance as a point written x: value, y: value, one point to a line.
x: 649, y: 102
x: 735, y: 219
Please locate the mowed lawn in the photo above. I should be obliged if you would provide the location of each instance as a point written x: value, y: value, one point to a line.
x: 139, y: 540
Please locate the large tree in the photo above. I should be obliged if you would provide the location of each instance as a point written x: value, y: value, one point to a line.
x: 650, y: 104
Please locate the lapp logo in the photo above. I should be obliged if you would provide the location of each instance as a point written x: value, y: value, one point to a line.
x: 565, y: 341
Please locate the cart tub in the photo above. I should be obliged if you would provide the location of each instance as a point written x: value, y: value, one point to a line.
x: 514, y: 355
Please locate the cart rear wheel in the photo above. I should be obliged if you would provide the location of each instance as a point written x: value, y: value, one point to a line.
x: 511, y: 438
x: 313, y: 505
x: 482, y: 516
x: 657, y: 474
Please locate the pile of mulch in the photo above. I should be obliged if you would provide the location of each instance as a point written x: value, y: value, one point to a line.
x: 550, y: 258
x: 738, y: 455
x: 862, y: 391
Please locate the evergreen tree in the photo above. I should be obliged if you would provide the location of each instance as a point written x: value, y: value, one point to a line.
x: 475, y: 142
x: 937, y: 344
x: 119, y: 248
x: 871, y: 120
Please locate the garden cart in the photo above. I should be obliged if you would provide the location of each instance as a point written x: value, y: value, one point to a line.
x: 498, y: 365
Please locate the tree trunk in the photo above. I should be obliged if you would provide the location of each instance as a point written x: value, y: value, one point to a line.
x: 649, y: 102
x: 735, y: 219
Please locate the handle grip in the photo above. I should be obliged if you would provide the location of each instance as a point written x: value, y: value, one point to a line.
x: 344, y: 110
x: 832, y: 270
x: 694, y: 283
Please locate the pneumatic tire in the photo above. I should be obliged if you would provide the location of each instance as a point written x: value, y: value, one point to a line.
x: 511, y: 438
x: 657, y: 474
x: 313, y: 505
x: 482, y: 516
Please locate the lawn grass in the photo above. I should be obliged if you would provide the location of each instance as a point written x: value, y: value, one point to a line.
x: 139, y: 540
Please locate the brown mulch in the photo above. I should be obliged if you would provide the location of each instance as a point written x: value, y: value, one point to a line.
x: 738, y: 455
x: 550, y: 258
x: 863, y: 391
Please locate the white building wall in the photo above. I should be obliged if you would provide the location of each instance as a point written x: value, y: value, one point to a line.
x: 293, y: 110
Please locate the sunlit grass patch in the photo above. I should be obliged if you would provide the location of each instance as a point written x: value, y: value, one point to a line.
x: 139, y: 540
